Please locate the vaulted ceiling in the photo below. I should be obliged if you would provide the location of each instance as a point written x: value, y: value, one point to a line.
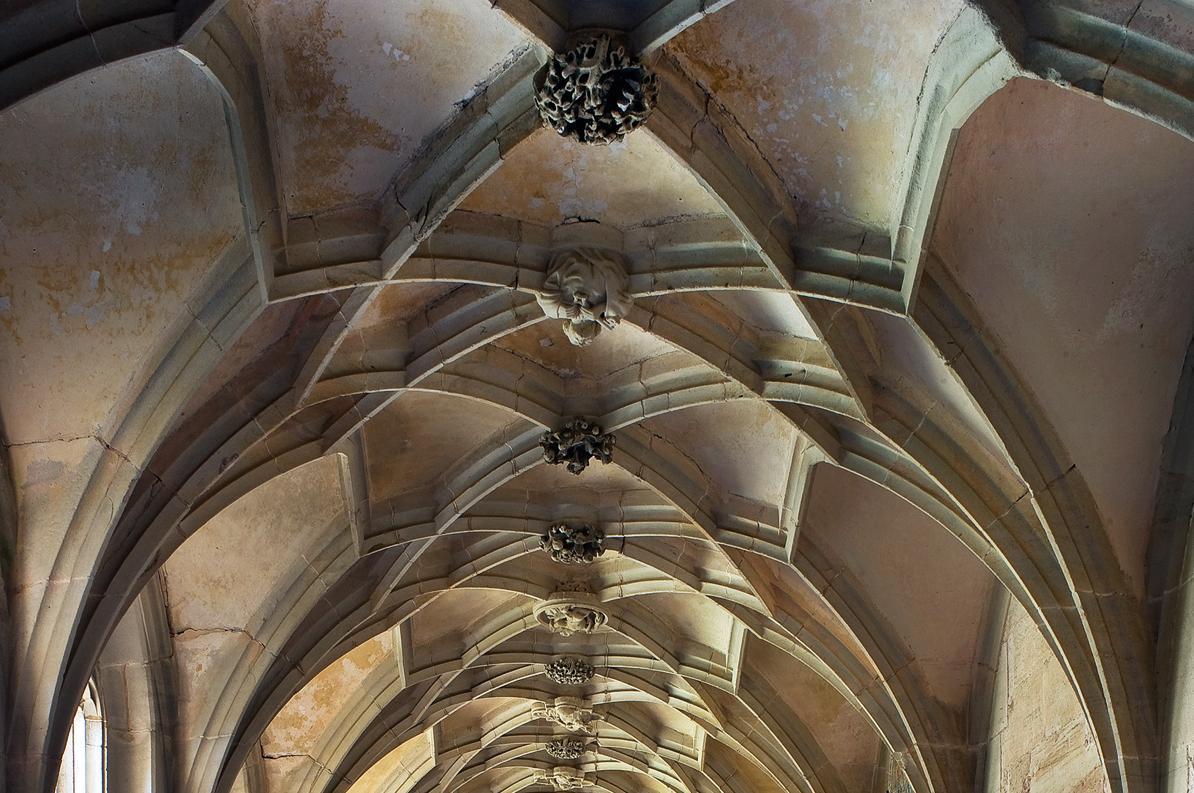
x: 912, y: 292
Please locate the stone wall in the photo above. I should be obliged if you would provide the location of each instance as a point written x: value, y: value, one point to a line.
x: 1040, y: 739
x: 1180, y: 778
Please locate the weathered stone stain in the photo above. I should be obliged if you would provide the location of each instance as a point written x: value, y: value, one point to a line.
x: 827, y: 90
x: 107, y: 245
x: 548, y: 179
x: 357, y: 87
x: 306, y: 716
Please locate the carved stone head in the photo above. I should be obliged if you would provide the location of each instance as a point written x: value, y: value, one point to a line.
x: 588, y: 289
x: 563, y: 778
x: 571, y: 714
x: 568, y: 613
x: 565, y: 619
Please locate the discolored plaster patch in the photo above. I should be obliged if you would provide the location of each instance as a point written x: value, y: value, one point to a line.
x: 826, y: 89
x: 108, y: 245
x: 42, y: 472
x: 357, y: 87
x: 302, y: 722
x: 548, y: 179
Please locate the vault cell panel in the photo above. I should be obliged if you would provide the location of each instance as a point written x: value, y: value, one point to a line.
x: 635, y: 182
x: 357, y: 87
x: 827, y: 90
x: 1068, y: 223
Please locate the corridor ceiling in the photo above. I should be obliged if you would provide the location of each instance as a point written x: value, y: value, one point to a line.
x: 910, y: 294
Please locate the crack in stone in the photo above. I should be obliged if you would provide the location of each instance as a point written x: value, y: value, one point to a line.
x: 284, y: 755
x: 74, y: 438
x: 201, y: 631
x: 924, y: 81
x: 206, y: 330
x: 1123, y: 45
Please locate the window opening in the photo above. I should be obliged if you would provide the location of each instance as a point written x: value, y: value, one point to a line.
x: 82, y: 769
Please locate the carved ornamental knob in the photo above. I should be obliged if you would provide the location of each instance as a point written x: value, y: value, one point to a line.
x: 596, y: 92
x: 569, y: 671
x: 588, y: 289
x: 566, y: 748
x: 566, y: 616
x: 576, y: 444
x: 580, y: 544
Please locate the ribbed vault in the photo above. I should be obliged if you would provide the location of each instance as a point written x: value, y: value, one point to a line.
x: 296, y: 524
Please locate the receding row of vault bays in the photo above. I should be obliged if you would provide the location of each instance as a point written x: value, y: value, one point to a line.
x: 573, y: 608
x: 595, y: 93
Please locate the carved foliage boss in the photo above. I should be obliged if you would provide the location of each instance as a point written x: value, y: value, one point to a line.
x: 575, y: 444
x: 569, y: 671
x: 566, y: 748
x: 580, y: 544
x: 595, y: 92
